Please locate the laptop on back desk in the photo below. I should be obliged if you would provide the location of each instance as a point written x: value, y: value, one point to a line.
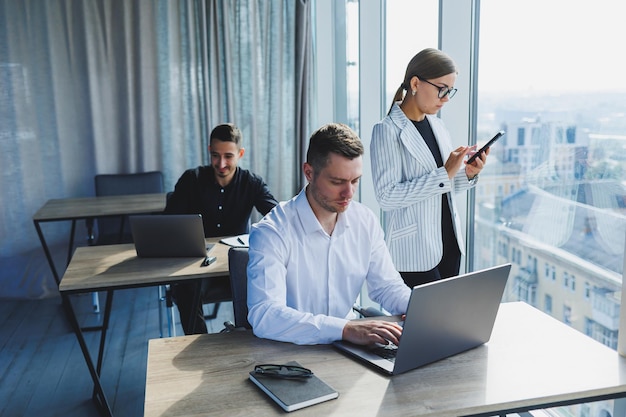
x: 168, y: 235
x: 443, y: 318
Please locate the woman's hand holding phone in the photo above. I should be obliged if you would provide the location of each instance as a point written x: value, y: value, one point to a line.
x: 484, y: 148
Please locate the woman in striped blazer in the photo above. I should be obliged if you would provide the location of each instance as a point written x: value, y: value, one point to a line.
x: 416, y: 172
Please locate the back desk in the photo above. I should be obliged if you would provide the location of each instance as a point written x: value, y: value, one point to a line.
x: 115, y: 267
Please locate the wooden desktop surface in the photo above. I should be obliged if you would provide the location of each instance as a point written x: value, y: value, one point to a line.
x: 531, y: 360
x: 111, y: 267
x: 86, y: 207
x: 89, y: 208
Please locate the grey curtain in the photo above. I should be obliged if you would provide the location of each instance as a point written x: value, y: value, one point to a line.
x: 114, y: 86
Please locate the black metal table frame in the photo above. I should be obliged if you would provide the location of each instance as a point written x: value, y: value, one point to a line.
x: 98, y: 396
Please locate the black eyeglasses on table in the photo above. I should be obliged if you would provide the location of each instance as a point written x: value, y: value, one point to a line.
x: 443, y: 90
x: 283, y: 371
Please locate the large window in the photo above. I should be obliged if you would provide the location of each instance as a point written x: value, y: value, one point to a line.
x: 552, y: 200
x: 405, y: 37
x: 556, y: 185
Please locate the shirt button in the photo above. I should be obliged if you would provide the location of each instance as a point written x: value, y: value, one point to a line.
x: 219, y: 225
x: 441, y: 185
x: 221, y: 190
x: 219, y: 207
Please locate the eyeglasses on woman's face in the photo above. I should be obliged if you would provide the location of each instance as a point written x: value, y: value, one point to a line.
x: 443, y: 90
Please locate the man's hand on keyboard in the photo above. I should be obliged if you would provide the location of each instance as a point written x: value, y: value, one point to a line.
x: 366, y: 332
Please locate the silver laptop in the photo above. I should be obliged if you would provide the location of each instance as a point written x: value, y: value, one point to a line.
x: 443, y: 318
x: 168, y: 235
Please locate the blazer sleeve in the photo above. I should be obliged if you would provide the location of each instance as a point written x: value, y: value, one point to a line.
x: 461, y: 183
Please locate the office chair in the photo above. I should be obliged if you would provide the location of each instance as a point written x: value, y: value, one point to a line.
x: 112, y: 230
x: 219, y: 290
x: 368, y: 311
x: 237, y: 267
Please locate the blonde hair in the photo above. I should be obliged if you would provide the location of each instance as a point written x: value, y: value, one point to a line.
x: 428, y: 63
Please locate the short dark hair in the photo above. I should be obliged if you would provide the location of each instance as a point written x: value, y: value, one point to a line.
x: 227, y: 132
x: 332, y: 138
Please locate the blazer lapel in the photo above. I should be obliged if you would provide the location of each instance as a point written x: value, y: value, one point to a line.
x: 411, y: 138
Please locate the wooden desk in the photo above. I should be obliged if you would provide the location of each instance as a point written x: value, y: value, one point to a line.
x: 532, y: 361
x: 89, y: 208
x: 113, y: 267
x: 100, y: 268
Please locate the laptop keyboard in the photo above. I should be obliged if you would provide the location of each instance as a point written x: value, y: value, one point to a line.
x: 385, y: 351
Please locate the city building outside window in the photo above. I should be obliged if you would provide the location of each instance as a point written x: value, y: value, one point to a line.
x: 561, y: 166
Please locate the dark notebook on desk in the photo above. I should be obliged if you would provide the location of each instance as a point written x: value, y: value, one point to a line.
x: 294, y: 394
x: 168, y: 235
x: 443, y: 318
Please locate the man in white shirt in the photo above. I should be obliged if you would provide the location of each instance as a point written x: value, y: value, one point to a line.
x: 310, y: 256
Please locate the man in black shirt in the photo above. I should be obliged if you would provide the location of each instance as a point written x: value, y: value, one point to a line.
x: 224, y: 195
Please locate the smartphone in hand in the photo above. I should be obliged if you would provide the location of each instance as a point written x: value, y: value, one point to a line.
x: 484, y: 148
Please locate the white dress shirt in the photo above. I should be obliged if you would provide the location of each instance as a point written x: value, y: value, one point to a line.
x: 408, y: 186
x: 302, y: 283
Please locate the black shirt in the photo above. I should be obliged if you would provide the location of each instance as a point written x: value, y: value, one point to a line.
x: 429, y: 137
x: 447, y: 228
x: 225, y: 210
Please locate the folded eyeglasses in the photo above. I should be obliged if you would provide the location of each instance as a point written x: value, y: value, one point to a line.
x: 283, y: 371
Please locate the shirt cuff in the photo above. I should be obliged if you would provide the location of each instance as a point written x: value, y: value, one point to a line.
x: 335, y: 327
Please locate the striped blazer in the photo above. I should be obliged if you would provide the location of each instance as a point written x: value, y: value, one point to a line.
x: 408, y: 187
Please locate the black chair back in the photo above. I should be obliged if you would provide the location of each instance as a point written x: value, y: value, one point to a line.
x: 116, y: 229
x: 237, y: 266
